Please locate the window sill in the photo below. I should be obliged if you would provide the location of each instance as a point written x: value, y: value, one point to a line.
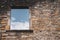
x: 28, y: 31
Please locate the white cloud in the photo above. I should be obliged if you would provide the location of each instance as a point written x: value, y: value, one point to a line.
x: 12, y: 18
x: 19, y: 26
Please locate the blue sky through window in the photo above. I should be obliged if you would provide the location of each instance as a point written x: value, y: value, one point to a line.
x: 19, y: 19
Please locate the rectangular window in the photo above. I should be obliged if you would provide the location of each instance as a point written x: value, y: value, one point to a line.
x: 19, y: 18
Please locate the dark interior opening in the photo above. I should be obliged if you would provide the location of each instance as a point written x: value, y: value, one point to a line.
x: 19, y: 7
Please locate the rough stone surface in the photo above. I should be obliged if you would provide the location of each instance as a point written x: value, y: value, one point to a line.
x: 45, y: 20
x: 16, y: 36
x: 45, y: 16
x: 45, y: 23
x: 47, y: 35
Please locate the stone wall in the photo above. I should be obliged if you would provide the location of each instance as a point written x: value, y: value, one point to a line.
x: 45, y: 23
x: 16, y: 36
x: 45, y: 20
x: 45, y: 15
x: 4, y: 14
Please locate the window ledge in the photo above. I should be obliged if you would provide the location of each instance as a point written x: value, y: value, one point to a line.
x: 30, y: 31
